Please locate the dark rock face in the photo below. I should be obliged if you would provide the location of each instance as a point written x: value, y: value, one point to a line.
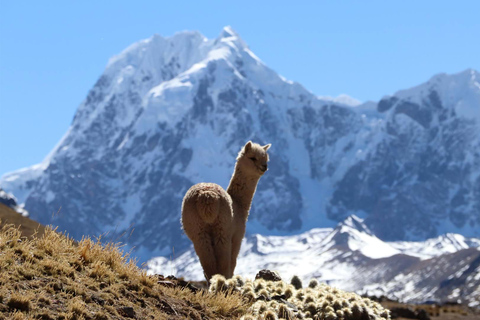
x: 7, y: 200
x: 386, y: 104
x: 320, y: 130
x: 282, y: 213
x: 10, y: 201
x: 416, y: 176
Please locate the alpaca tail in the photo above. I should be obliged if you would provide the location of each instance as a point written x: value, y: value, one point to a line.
x: 208, y: 205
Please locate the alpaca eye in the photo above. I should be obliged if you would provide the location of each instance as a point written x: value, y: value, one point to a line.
x: 253, y: 159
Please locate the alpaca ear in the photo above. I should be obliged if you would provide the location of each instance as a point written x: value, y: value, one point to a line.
x: 267, y: 147
x: 248, y: 146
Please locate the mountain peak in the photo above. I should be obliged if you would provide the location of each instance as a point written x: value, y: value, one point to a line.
x: 466, y: 76
x: 355, y: 223
x: 227, y: 32
x: 157, y: 48
x: 459, y: 92
x: 230, y: 35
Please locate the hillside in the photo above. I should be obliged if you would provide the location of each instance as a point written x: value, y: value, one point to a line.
x: 52, y: 277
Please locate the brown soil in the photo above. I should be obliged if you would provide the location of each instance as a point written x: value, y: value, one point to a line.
x: 27, y: 226
x: 437, y: 312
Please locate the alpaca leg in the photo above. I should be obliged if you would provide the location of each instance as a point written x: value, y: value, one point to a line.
x: 223, y: 251
x: 204, y: 249
x: 235, y: 250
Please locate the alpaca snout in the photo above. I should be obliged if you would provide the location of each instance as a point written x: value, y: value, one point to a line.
x: 264, y: 167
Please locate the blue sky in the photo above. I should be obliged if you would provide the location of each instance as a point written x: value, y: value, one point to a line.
x: 52, y: 52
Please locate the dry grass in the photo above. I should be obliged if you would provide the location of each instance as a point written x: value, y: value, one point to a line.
x: 54, y: 277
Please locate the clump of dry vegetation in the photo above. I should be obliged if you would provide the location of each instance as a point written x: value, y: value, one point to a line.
x: 275, y: 299
x: 54, y: 277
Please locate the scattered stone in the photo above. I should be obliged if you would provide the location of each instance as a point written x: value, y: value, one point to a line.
x: 268, y: 275
x: 98, y: 300
x: 422, y: 314
x: 126, y: 312
x: 263, y: 298
x: 172, y: 281
x: 285, y: 302
x: 281, y: 297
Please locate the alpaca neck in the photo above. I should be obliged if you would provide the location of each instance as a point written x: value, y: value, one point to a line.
x: 241, y: 189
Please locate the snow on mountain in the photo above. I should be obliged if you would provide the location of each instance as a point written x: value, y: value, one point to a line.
x: 459, y: 92
x: 169, y: 112
x: 447, y: 243
x: 352, y: 258
x: 355, y: 235
x: 342, y: 99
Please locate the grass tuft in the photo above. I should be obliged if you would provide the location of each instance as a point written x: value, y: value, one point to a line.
x: 19, y: 302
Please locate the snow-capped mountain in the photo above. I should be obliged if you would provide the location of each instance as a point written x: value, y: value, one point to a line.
x: 171, y: 112
x: 350, y: 257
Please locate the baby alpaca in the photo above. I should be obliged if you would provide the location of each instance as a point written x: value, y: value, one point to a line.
x: 215, y: 219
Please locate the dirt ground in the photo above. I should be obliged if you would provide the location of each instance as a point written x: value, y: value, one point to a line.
x: 437, y: 312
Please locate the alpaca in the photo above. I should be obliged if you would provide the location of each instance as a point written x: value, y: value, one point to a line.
x: 215, y: 219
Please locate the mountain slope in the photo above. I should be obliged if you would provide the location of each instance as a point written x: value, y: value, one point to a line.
x: 424, y: 174
x: 170, y: 112
x: 456, y: 280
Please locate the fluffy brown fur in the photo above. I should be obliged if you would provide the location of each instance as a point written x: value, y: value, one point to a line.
x: 214, y: 219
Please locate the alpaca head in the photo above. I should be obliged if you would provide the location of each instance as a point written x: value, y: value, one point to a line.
x: 253, y: 158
